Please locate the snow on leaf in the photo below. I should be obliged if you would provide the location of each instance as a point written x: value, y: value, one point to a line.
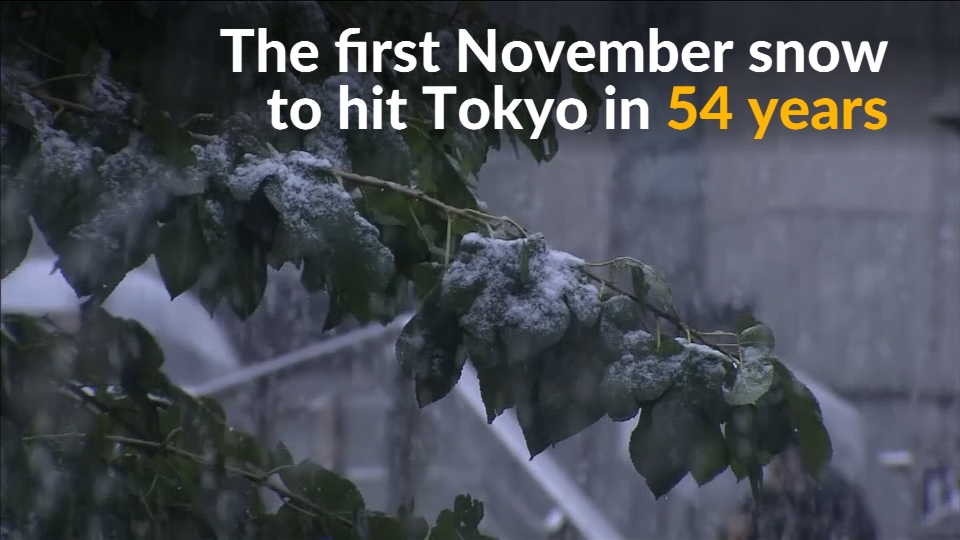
x: 120, y: 196
x: 109, y: 97
x: 527, y: 317
x: 619, y: 315
x: 317, y: 214
x: 616, y: 391
x: 708, y: 365
x: 646, y: 377
x: 327, y: 139
x: 61, y: 157
x: 754, y: 377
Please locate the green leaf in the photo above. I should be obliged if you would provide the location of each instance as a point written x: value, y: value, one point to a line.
x: 237, y: 269
x: 333, y: 493
x: 175, y: 141
x: 436, y: 173
x: 657, y: 451
x: 379, y: 153
x: 668, y: 347
x: 816, y: 448
x: 745, y: 321
x: 757, y: 340
x: 281, y: 457
x: 772, y: 419
x: 429, y: 349
x: 557, y: 393
x: 651, y: 287
x: 755, y: 376
x: 426, y: 279
x: 462, y: 522
x: 182, y: 250
x: 740, y: 433
x: 710, y: 456
x: 496, y: 387
x: 16, y: 233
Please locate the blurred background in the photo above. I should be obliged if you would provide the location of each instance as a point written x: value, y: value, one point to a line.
x: 846, y: 243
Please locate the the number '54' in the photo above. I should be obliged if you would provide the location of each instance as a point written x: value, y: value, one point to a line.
x: 718, y: 100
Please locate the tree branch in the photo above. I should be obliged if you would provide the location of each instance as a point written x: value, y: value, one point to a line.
x: 251, y: 474
x: 481, y: 218
x: 472, y: 216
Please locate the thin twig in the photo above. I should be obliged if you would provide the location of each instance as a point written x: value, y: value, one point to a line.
x: 79, y: 108
x: 194, y: 118
x: 68, y: 77
x: 62, y: 103
x: 412, y: 193
x: 38, y: 51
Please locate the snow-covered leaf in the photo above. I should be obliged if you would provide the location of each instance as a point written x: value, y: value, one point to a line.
x: 528, y: 317
x: 806, y: 417
x: 318, y: 218
x: 754, y: 378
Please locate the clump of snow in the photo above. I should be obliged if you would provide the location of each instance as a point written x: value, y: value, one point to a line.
x: 630, y: 381
x: 213, y: 161
x: 641, y: 371
x: 618, y: 316
x: 139, y: 170
x: 129, y: 193
x: 61, y: 157
x: 13, y: 79
x: 708, y: 364
x: 213, y: 220
x: 316, y: 212
x: 109, y: 97
x: 529, y: 306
